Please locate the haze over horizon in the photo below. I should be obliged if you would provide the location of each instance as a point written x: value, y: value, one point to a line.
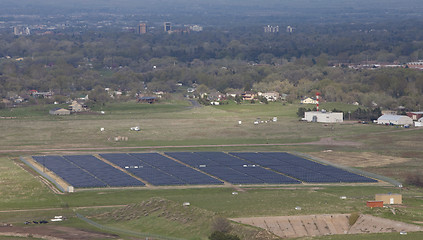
x: 237, y: 11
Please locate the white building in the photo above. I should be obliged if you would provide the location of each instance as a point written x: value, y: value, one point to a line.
x: 270, y: 96
x: 309, y: 100
x: 271, y: 29
x: 419, y: 123
x: 394, y: 120
x: 196, y: 28
x: 324, y: 117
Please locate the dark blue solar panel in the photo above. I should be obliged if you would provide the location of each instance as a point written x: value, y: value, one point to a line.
x: 222, y: 159
x: 69, y: 172
x: 155, y: 159
x: 229, y: 168
x: 143, y: 170
x: 192, y: 159
x: 110, y: 175
x: 176, y: 169
x: 302, y: 169
x: 245, y: 167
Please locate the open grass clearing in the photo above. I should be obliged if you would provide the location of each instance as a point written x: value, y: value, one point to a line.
x: 384, y: 150
x: 170, y: 124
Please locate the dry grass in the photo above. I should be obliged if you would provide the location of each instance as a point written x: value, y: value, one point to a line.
x: 359, y: 159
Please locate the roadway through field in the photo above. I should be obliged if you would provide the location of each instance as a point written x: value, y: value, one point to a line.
x: 323, y: 141
x: 52, y: 209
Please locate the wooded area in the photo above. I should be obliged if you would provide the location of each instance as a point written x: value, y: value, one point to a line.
x: 312, y: 58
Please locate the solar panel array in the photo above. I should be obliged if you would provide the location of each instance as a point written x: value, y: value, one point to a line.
x: 83, y: 171
x: 230, y: 169
x: 69, y: 172
x: 159, y: 170
x: 108, y: 174
x: 302, y: 169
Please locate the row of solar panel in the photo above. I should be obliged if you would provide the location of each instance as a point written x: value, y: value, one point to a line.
x: 302, y: 169
x: 160, y: 170
x: 82, y: 171
x: 72, y: 174
x: 230, y: 168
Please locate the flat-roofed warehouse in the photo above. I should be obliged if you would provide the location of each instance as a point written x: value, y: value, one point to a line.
x: 324, y: 117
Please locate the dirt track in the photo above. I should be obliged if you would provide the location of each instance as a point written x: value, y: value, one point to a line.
x: 319, y: 225
x: 52, y: 232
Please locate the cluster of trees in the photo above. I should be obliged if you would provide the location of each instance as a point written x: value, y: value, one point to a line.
x: 296, y: 64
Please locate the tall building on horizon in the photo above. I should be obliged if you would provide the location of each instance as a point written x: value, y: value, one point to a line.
x: 21, y: 31
x: 167, y: 26
x: 142, y: 28
x: 271, y: 29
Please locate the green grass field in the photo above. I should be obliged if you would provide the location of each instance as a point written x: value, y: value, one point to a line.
x: 174, y: 126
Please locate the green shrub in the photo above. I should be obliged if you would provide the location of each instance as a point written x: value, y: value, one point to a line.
x: 223, y: 236
x: 353, y: 218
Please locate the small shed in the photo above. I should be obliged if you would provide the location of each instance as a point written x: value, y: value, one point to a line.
x: 373, y: 204
x: 390, y: 198
x: 324, y: 117
x: 59, y: 111
x: 394, y: 120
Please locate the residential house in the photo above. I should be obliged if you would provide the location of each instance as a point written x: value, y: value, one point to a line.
x: 216, y: 96
x: 389, y: 112
x: 270, y: 96
x: 234, y: 93
x: 146, y: 99
x: 37, y: 94
x: 308, y: 100
x: 415, y: 65
x: 248, y: 96
x: 77, y: 107
x: 19, y: 99
x: 415, y: 115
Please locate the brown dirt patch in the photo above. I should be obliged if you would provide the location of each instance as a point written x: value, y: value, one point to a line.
x: 331, y: 142
x: 319, y: 225
x: 356, y: 159
x: 54, y: 232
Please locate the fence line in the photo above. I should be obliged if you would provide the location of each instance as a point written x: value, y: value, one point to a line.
x: 43, y: 174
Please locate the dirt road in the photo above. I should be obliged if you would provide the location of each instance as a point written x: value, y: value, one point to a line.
x: 323, y: 141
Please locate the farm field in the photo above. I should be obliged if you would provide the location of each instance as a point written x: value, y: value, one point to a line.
x: 177, y: 126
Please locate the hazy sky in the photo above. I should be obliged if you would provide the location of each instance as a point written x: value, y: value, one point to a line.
x: 334, y: 10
